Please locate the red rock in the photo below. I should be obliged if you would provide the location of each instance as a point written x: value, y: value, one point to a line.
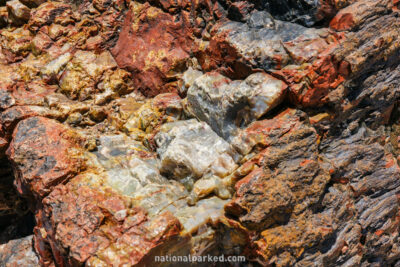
x: 16, y: 44
x: 396, y: 4
x: 318, y: 187
x: 87, y: 223
x: 51, y: 12
x: 281, y: 182
x: 359, y: 12
x: 32, y: 93
x: 154, y: 46
x: 220, y: 51
x: 327, y: 9
x: 10, y: 117
x: 43, y: 154
x: 310, y: 86
x: 167, y: 101
x: 264, y: 133
x: 342, y: 22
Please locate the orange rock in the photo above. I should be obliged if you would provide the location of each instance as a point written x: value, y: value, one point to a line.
x: 51, y: 149
x: 154, y: 46
x: 342, y: 22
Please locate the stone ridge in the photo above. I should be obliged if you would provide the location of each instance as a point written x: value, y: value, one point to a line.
x: 134, y: 129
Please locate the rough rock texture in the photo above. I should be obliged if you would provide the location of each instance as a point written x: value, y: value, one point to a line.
x: 155, y: 46
x: 19, y: 252
x: 227, y: 105
x: 265, y: 129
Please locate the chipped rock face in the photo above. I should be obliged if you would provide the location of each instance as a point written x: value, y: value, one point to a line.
x: 135, y: 129
x: 191, y: 149
x: 53, y: 157
x: 259, y: 43
x: 289, y: 168
x: 226, y: 105
x: 18, y: 12
x: 19, y: 252
x: 154, y: 47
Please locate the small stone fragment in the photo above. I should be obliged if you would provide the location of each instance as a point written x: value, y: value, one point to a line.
x: 18, y: 13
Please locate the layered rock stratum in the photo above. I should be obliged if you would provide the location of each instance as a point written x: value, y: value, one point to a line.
x: 134, y: 129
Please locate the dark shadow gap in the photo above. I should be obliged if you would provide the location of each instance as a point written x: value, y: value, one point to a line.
x: 16, y: 220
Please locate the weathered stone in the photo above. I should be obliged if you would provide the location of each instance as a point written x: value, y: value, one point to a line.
x: 6, y: 100
x: 18, y: 13
x: 287, y: 242
x: 132, y: 171
x: 54, y: 67
x: 50, y: 12
x: 358, y: 13
x: 40, y: 43
x: 149, y: 116
x: 51, y: 159
x: 289, y: 167
x: 227, y: 105
x: 237, y: 48
x: 16, y: 44
x: 260, y: 134
x: 19, y: 252
x: 265, y: 129
x: 190, y: 150
x: 188, y: 78
x: 154, y: 47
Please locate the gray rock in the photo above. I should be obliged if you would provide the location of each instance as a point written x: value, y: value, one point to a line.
x: 190, y: 150
x: 228, y: 105
x: 133, y: 171
x: 19, y: 252
x: 307, y: 12
x: 188, y: 78
x: 259, y: 42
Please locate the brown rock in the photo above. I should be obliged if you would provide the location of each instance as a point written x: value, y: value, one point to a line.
x: 358, y: 13
x: 16, y: 44
x: 130, y: 170
x: 40, y: 43
x: 289, y: 167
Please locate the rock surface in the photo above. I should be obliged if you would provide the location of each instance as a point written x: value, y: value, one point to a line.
x: 227, y: 105
x: 135, y: 129
x: 19, y: 252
